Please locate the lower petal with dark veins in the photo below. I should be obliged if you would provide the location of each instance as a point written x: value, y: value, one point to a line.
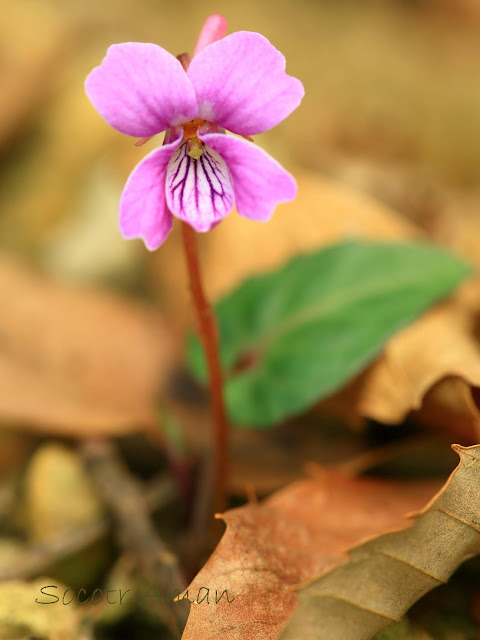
x: 199, y: 191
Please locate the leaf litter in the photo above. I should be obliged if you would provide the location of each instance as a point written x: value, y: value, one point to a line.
x: 385, y: 576
x: 290, y: 537
x: 301, y: 535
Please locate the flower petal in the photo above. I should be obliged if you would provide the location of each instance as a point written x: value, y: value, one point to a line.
x: 200, y: 191
x: 259, y: 181
x: 241, y: 84
x: 141, y: 89
x: 143, y: 209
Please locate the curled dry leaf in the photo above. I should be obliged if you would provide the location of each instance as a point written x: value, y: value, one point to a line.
x: 76, y: 362
x: 292, y: 536
x: 387, y: 575
x: 441, y: 346
x: 452, y: 405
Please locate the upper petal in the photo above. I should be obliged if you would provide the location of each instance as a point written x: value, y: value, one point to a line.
x: 143, y: 209
x: 259, y: 181
x: 199, y: 191
x: 214, y: 28
x: 141, y: 89
x: 241, y: 84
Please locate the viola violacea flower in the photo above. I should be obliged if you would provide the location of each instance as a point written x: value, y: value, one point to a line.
x: 238, y: 84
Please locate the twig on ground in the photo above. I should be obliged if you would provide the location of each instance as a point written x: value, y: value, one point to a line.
x: 126, y: 501
x: 36, y: 558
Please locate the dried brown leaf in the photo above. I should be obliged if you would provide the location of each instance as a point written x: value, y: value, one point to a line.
x: 76, y: 362
x: 295, y: 534
x: 450, y: 405
x: 385, y: 576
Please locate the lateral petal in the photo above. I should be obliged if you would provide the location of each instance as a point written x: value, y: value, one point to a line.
x: 143, y: 209
x: 259, y: 181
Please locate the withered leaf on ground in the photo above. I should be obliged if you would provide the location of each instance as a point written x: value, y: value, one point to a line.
x: 76, y: 362
x: 386, y: 575
x: 295, y: 534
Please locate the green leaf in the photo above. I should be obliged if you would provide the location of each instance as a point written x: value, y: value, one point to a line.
x: 293, y: 336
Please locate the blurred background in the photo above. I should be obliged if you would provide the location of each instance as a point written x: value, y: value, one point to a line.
x: 392, y: 109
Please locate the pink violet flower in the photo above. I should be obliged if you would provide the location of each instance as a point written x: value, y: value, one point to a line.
x: 236, y: 83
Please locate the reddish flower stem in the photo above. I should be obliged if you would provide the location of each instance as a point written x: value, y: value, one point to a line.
x: 208, y: 334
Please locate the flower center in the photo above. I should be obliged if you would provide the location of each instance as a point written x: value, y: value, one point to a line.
x: 193, y: 141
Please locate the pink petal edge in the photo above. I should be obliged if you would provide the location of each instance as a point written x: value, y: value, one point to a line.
x: 140, y: 89
x: 241, y: 84
x: 259, y: 181
x: 143, y: 208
